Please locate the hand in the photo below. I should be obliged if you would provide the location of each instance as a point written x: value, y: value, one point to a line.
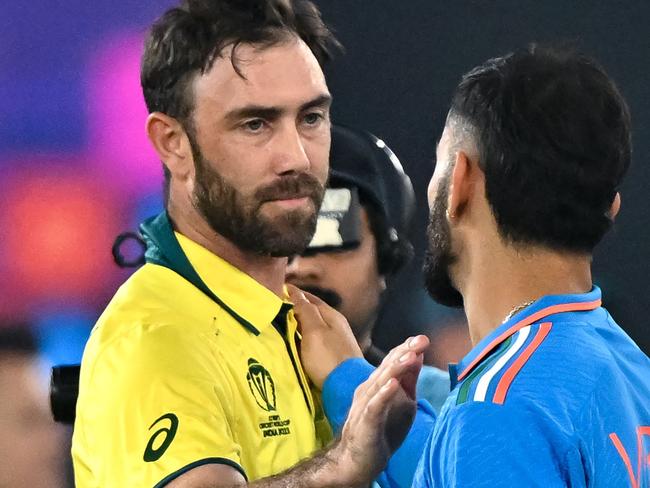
x: 381, y: 413
x: 327, y: 339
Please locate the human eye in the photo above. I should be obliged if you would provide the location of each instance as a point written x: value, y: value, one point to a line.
x: 313, y: 119
x: 254, y: 125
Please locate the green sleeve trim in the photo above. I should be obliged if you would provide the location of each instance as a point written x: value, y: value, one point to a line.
x: 196, y: 464
x: 463, y: 393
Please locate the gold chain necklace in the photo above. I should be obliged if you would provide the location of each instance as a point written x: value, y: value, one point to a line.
x: 516, y: 309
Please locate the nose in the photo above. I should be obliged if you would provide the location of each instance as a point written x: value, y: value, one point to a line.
x: 291, y: 155
x: 303, y: 270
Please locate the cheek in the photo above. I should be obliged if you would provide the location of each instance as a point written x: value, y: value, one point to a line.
x: 361, y: 278
x: 431, y: 192
x: 318, y: 152
x: 239, y: 161
x: 434, y: 187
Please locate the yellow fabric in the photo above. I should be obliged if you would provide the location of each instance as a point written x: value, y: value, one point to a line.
x: 164, y: 357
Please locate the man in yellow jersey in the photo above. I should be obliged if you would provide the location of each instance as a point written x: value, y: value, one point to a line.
x: 191, y: 376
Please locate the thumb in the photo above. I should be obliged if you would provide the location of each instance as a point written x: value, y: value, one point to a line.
x: 330, y: 316
x: 307, y: 314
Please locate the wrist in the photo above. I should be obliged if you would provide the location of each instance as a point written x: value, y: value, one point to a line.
x: 346, y: 473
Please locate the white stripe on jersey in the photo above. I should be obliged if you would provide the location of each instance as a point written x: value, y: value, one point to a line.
x: 484, y: 382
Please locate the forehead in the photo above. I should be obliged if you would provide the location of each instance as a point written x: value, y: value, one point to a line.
x: 281, y: 75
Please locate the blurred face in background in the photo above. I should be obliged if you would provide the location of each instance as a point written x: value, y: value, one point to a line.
x: 348, y: 280
x: 32, y: 446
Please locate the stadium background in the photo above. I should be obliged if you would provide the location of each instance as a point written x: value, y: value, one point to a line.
x: 77, y: 168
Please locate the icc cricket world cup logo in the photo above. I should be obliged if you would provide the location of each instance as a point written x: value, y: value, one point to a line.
x: 261, y: 385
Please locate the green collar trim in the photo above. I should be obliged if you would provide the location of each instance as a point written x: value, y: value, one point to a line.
x: 163, y: 249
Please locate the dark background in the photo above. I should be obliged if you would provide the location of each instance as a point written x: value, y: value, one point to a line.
x: 402, y: 62
x: 77, y: 168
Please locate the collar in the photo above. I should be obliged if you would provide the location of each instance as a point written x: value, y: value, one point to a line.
x: 248, y: 302
x: 538, y: 310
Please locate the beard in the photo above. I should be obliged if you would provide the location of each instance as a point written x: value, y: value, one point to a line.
x: 439, y: 256
x: 240, y: 219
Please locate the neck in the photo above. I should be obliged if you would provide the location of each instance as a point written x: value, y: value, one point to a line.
x: 266, y: 270
x: 365, y: 342
x: 497, y: 281
x: 362, y: 329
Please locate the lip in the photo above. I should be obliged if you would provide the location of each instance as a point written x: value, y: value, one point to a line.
x: 293, y: 202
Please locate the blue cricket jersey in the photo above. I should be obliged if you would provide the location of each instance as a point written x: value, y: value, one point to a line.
x: 557, y: 396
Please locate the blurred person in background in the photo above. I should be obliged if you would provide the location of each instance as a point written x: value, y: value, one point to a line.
x: 33, y: 449
x: 361, y: 242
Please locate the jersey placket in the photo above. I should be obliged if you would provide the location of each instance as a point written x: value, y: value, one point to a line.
x: 289, y: 339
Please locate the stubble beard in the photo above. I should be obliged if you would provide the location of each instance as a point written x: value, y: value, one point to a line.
x: 439, y: 256
x: 242, y: 220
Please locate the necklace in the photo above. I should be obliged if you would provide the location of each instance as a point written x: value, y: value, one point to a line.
x: 516, y: 309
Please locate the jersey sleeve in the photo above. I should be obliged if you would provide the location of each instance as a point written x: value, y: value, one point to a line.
x: 338, y: 393
x: 482, y: 444
x: 157, y: 404
x: 338, y: 389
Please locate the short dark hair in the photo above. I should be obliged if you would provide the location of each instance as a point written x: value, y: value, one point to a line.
x: 553, y: 137
x: 188, y: 39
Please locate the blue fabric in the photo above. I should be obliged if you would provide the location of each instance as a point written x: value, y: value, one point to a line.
x: 338, y: 391
x: 574, y: 413
x: 585, y: 382
x: 433, y: 386
x: 338, y: 388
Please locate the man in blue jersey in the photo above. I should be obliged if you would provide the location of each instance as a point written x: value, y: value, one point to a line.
x: 361, y: 242
x: 553, y: 393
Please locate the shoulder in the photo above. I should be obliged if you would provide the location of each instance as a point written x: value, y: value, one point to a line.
x: 149, y: 324
x: 149, y: 302
x: 550, y: 366
x: 485, y: 444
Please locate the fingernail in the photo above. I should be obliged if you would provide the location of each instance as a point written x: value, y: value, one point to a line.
x: 404, y: 357
x: 387, y: 384
x: 412, y: 341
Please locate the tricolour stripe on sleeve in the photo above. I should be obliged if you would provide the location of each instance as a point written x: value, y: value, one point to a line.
x: 484, y: 382
x: 526, y: 321
x: 510, y: 374
x: 468, y: 384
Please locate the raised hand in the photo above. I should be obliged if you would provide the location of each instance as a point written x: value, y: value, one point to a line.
x: 327, y: 339
x: 383, y: 410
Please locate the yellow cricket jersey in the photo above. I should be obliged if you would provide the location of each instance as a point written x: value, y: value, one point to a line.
x: 186, y: 366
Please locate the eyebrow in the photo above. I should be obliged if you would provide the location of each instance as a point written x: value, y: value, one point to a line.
x: 273, y: 113
x: 322, y: 101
